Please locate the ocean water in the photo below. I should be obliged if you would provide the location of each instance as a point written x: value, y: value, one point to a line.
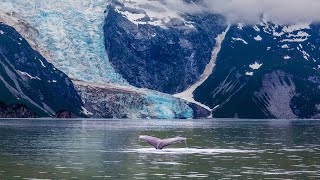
x: 110, y: 149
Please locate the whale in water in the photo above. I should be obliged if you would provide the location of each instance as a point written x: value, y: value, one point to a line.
x: 161, y: 143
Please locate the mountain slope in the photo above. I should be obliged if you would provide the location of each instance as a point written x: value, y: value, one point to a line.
x: 128, y: 57
x: 156, y: 48
x: 70, y: 35
x: 27, y: 79
x: 265, y: 71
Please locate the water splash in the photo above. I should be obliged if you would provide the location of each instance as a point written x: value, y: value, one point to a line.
x: 188, y: 151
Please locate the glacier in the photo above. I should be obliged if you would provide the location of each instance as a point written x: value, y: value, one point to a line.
x: 113, y: 101
x: 70, y: 33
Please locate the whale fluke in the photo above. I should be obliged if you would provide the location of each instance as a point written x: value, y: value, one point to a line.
x: 161, y: 143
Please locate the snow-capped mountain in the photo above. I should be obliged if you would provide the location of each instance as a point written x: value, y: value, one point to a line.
x: 265, y: 71
x: 157, y: 48
x: 149, y: 59
x: 70, y: 35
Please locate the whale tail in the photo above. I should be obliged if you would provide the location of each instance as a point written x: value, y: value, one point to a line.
x: 161, y: 143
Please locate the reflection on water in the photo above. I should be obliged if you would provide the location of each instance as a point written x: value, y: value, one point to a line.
x: 217, y: 149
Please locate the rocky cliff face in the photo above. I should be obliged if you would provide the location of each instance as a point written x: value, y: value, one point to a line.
x: 16, y: 111
x: 159, y: 52
x: 265, y: 71
x: 27, y: 79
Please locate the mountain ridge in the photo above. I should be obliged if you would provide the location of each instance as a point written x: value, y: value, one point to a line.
x: 141, y: 59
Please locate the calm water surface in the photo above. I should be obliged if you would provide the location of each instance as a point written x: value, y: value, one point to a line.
x: 110, y: 149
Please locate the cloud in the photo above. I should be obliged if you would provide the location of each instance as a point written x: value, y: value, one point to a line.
x: 250, y: 11
x: 280, y: 11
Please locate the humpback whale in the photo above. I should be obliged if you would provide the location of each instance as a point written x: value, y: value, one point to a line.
x: 161, y: 143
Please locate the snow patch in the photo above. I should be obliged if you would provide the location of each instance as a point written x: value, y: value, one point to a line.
x: 239, y: 39
x: 287, y: 57
x: 131, y: 16
x: 258, y: 38
x: 255, y: 66
x: 306, y: 56
x: 296, y: 27
x: 156, y: 13
x: 292, y: 33
x: 295, y: 40
x: 256, y: 28
x: 249, y: 73
x: 241, y: 26
x: 300, y: 34
x: 28, y: 75
x: 42, y: 63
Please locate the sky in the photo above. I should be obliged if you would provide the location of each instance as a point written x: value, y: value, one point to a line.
x: 250, y: 11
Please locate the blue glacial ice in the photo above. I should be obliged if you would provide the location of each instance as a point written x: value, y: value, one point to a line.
x: 72, y: 32
x: 166, y: 107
